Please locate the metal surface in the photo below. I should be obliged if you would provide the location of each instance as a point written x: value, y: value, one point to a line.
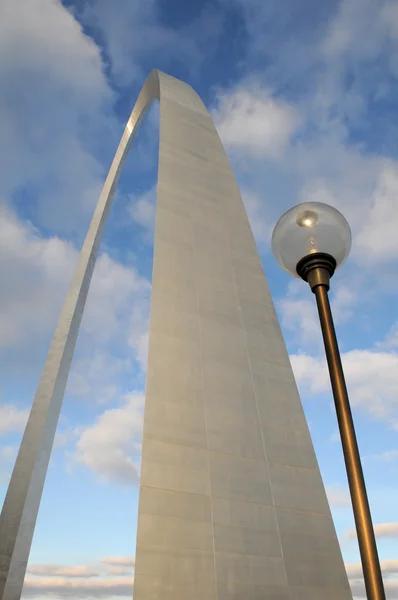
x: 363, y: 519
x: 21, y: 504
x: 232, y: 504
x: 316, y: 268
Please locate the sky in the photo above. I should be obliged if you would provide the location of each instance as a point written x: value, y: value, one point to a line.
x: 304, y: 97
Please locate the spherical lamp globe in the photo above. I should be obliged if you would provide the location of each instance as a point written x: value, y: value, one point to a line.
x: 310, y: 228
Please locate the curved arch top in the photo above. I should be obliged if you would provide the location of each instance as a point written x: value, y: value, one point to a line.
x: 21, y: 505
x: 228, y: 465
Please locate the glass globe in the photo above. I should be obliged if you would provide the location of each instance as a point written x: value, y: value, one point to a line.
x: 308, y: 228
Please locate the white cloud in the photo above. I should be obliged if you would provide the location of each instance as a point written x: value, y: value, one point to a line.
x: 256, y: 212
x: 388, y: 567
x: 51, y: 112
x: 49, y: 36
x: 361, y: 32
x: 121, y: 561
x: 110, y: 447
x: 378, y: 238
x: 389, y: 570
x: 116, y: 315
x: 320, y: 165
x: 107, y: 577
x: 97, y: 375
x: 61, y: 571
x: 134, y: 33
x: 389, y: 17
x: 372, y: 380
x: 387, y: 456
x: 359, y: 38
x: 355, y: 30
x: 382, y: 530
x: 249, y: 119
x: 62, y: 438
x: 360, y: 179
x: 142, y: 211
x: 391, y: 339
x: 338, y: 496
x: 343, y: 301
x: 299, y: 315
x: 323, y: 162
x: 335, y: 437
x: 118, y: 565
x: 332, y: 171
x: 364, y: 188
x: 117, y: 304
x: 12, y: 419
x: 119, y: 571
x: 30, y: 267
x: 63, y: 587
x: 8, y: 454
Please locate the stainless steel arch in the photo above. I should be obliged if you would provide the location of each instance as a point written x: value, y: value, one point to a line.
x: 21, y: 505
x: 232, y: 503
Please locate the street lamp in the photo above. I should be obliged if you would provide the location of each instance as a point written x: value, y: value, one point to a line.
x: 311, y: 241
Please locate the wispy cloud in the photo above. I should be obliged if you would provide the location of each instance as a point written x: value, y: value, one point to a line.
x: 55, y: 97
x: 12, y: 418
x: 111, y: 446
x: 134, y: 32
x: 142, y: 211
x: 372, y: 379
x: 100, y: 578
x: 63, y: 587
x: 389, y: 570
x: 40, y: 268
x: 61, y: 571
x: 387, y: 456
x: 250, y: 119
x: 382, y: 530
x: 338, y: 495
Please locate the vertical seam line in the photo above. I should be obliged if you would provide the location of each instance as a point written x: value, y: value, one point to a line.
x: 205, y: 416
x: 256, y: 401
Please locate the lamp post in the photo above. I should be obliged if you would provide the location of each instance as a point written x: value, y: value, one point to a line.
x: 311, y: 241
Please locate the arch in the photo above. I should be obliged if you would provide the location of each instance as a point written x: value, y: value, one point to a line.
x: 220, y: 390
x: 21, y: 504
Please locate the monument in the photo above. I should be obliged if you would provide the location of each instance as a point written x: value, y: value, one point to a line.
x: 232, y: 504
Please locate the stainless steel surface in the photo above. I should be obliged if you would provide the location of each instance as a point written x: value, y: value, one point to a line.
x: 232, y: 504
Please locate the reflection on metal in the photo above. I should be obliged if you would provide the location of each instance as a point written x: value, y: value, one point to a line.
x: 232, y: 503
x: 21, y: 505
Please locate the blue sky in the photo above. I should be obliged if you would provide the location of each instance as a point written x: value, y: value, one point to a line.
x: 304, y: 96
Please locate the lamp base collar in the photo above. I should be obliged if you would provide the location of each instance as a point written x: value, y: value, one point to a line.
x: 316, y: 268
